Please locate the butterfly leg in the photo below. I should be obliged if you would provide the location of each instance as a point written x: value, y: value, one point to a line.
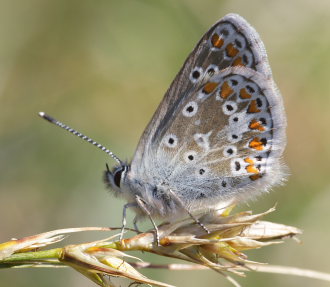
x: 127, y: 205
x: 135, y: 225
x: 190, y: 214
x: 142, y: 205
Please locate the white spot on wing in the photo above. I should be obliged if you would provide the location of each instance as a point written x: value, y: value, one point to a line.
x: 203, y: 140
x: 230, y: 151
x: 190, y: 156
x: 229, y: 107
x: 190, y: 109
x: 237, y: 166
x: 196, y: 74
x: 171, y: 140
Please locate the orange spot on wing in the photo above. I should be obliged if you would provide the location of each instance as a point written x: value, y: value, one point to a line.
x: 217, y: 41
x: 249, y: 160
x: 253, y: 107
x: 231, y: 50
x: 226, y: 90
x: 256, y: 125
x: 238, y: 62
x: 256, y: 144
x: 255, y: 176
x: 209, y: 87
x: 243, y: 94
x: 250, y: 168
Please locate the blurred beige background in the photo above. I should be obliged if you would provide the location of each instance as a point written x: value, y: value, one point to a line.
x: 103, y: 67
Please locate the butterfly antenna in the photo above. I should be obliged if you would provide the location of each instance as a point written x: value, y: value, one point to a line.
x: 78, y: 134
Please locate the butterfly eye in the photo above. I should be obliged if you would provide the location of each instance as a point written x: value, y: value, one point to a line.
x: 117, y: 175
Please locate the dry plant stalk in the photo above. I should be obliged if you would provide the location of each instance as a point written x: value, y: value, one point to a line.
x: 103, y: 260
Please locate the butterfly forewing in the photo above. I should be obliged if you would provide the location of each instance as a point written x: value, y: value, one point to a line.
x: 229, y: 42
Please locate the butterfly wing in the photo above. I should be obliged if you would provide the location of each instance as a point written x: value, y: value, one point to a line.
x: 229, y: 42
x: 219, y: 131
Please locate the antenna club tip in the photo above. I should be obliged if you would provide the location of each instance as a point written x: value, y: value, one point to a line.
x: 46, y: 117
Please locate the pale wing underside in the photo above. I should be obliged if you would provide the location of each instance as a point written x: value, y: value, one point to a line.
x: 229, y: 42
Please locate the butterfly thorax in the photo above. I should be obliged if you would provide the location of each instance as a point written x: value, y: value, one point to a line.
x: 154, y: 194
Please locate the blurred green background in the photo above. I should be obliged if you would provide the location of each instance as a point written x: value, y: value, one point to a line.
x: 103, y: 67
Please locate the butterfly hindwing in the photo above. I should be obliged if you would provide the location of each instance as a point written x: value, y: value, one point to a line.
x: 223, y: 141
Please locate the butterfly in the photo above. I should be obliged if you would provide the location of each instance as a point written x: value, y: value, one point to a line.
x: 217, y: 136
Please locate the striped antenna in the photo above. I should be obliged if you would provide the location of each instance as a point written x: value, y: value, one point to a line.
x: 78, y: 134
